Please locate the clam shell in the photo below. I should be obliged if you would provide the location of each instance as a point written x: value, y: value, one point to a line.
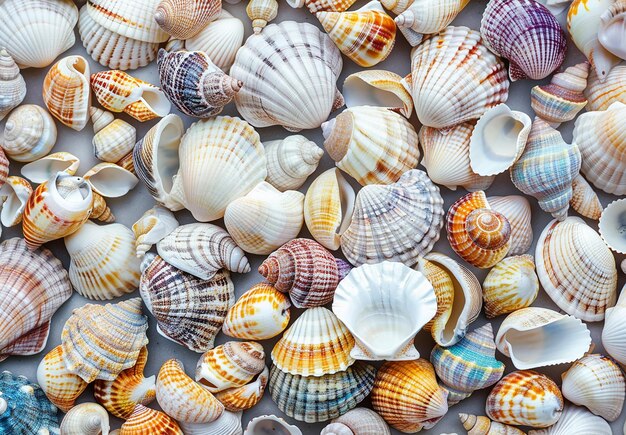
x: 261, y: 12
x: 512, y: 284
x: 16, y: 190
x: 12, y: 84
x: 229, y: 423
x: 134, y: 20
x: 43, y: 169
x: 611, y: 226
x: 270, y: 423
x: 517, y: 210
x: 612, y: 331
x: 185, y: 18
x: 145, y: 421
x: 152, y: 227
x: 29, y: 133
x: 576, y: 420
x: 480, y: 425
x: 361, y: 421
x: 246, y: 396
x: 61, y: 386
x: 611, y: 33
x: 110, y: 180
x: 377, y: 88
x: 585, y: 200
x: 86, y: 419
x: 230, y: 365
x: 113, y: 138
x: 290, y: 161
x: 602, y: 93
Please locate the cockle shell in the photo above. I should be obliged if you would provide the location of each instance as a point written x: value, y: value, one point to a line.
x: 35, y: 32
x: 270, y: 423
x: 290, y: 161
x: 261, y: 12
x: 384, y: 306
x: 12, y: 84
x: 611, y: 225
x: 379, y: 231
x: 144, y: 421
x: 41, y: 170
x: 229, y: 423
x: 407, y: 396
x: 113, y: 138
x: 424, y: 17
x: 512, y: 284
x: 316, y: 344
x: 294, y: 104
x: 265, y: 218
x: 525, y: 398
x: 611, y: 33
x: 362, y: 421
x: 154, y: 225
x: 613, y: 338
x: 185, y: 18
x: 188, y: 310
x: 480, y: 425
x: 60, y: 385
x: 133, y: 20
x: 202, y: 250
x: 602, y: 93
x: 455, y: 63
x: 246, y: 396
x: 29, y: 133
x: 533, y: 337
x: 372, y: 144
x: 110, y: 180
x: 366, y: 35
x: 585, y: 200
x: 16, y: 192
x: 576, y: 420
x: 547, y: 168
x: 99, y: 341
x: 315, y: 6
x: 260, y: 313
x: 377, y: 88
x: 229, y: 365
x: 517, y: 210
x: 601, y: 136
x: 314, y: 399
x: 596, y: 382
x: 576, y: 269
x: 307, y: 271
x: 86, y: 419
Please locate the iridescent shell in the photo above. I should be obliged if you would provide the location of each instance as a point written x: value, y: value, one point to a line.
x: 43, y: 169
x: 576, y: 420
x: 113, y: 138
x: 362, y: 421
x: 602, y: 93
x: 246, y: 396
x: 230, y: 365
x: 379, y: 88
x: 60, y: 385
x: 16, y: 191
x: 584, y: 200
x: 481, y: 425
x: 144, y: 421
x: 154, y: 225
x: 516, y: 209
x: 290, y: 161
x: 185, y: 18
x: 261, y: 12
x: 86, y: 419
x: 29, y: 133
x: 12, y: 84
x: 512, y: 284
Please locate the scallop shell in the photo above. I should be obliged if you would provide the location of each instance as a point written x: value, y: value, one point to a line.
x: 12, y: 84
x: 455, y: 63
x: 110, y: 180
x: 384, y: 306
x: 372, y: 144
x: 611, y: 226
x: 61, y: 386
x: 113, y: 138
x: 185, y: 18
x: 480, y: 425
x: 86, y: 419
x: 601, y: 94
x: 154, y: 225
x: 272, y: 95
x: 511, y: 285
x: 43, y: 169
x: 596, y: 382
x: 576, y: 420
x: 35, y: 32
x: 315, y: 6
x: 230, y: 365
x: 260, y: 313
x: 134, y: 20
x: 377, y: 88
x: 362, y: 421
x: 517, y: 210
x: 202, y: 250
x: 613, y: 338
x: 16, y: 190
x: 547, y: 169
x: 290, y: 161
x: 99, y: 341
x: 576, y: 269
x: 29, y: 133
x: 144, y: 421
x: 265, y: 218
x: 531, y: 337
x: 428, y: 17
x: 246, y: 396
x: 611, y: 33
x: 316, y: 344
x: 229, y: 423
x: 261, y: 12
x: 313, y: 399
x: 585, y: 200
x: 407, y: 396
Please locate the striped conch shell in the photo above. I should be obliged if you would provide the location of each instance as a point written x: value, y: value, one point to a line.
x: 361, y: 421
x: 246, y: 396
x: 290, y: 161
x: 576, y: 420
x: 183, y: 19
x: 481, y: 425
x: 584, y: 200
x: 29, y: 133
x: 379, y: 88
x: 16, y: 191
x: 425, y: 17
x: 60, y: 385
x: 261, y: 12
x: 154, y: 225
x: 145, y: 421
x: 510, y: 285
x: 86, y: 419
x: 602, y: 93
x: 12, y: 84
x: 516, y: 209
x: 113, y: 138
x: 42, y: 169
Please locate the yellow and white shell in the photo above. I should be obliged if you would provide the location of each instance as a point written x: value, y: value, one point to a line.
x: 12, y: 84
x: 246, y: 396
x: 290, y: 161
x: 16, y: 191
x: 42, y: 169
x: 510, y: 285
x: 377, y: 88
x: 60, y: 385
x: 516, y: 209
x: 145, y: 421
x: 154, y: 225
x: 86, y: 419
x: 261, y: 12
x: 29, y: 133
x: 113, y: 138
x: 481, y: 425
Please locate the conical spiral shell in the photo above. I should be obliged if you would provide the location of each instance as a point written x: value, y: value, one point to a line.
x: 29, y: 133
x: 113, y: 138
x: 246, y: 396
x: 480, y: 425
x: 512, y: 284
x: 154, y: 225
x: 290, y: 161
x: 602, y: 93
x: 584, y: 200
x: 12, y: 84
x: 185, y: 18
x: 362, y: 421
x: 86, y: 419
x: 230, y: 365
x: 146, y: 421
x: 516, y: 209
x: 60, y: 385
x: 428, y: 17
x: 261, y: 12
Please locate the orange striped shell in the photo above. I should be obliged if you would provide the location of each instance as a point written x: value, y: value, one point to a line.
x: 146, y: 421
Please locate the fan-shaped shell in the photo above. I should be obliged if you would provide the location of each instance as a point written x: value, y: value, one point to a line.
x: 246, y: 396
x: 86, y: 419
x: 584, y: 200
x: 230, y: 365
x: 270, y: 423
x: 377, y: 88
x: 60, y: 385
x: 480, y: 425
x: 154, y: 225
x: 576, y: 420
x: 517, y: 210
x: 146, y: 421
x: 613, y: 338
x: 290, y: 161
x: 185, y: 18
x: 12, y: 84
x: 602, y: 93
x: 134, y: 20
x: 29, y: 133
x: 229, y: 423
x: 66, y: 91
x: 16, y: 192
x: 361, y: 421
x: 512, y: 284
x: 41, y: 170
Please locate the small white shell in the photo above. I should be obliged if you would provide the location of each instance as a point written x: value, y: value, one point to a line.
x: 152, y: 227
x: 261, y: 12
x: 16, y: 191
x: 576, y: 420
x: 41, y: 170
x: 86, y: 419
x: 29, y: 133
x: 110, y: 180
x: 290, y: 161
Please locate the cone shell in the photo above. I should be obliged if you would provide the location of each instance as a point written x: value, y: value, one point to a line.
x: 29, y: 133
x: 576, y: 269
x: 428, y: 17
x: 455, y: 63
x: 61, y: 386
x: 154, y: 225
x: 113, y: 138
x: 612, y: 331
x: 372, y: 144
x: 361, y: 421
x: 16, y: 190
x: 596, y: 382
x: 246, y: 396
x: 43, y: 169
x: 290, y: 161
x: 407, y: 396
x: 86, y: 419
x: 585, y: 200
x: 480, y: 425
x: 229, y: 365
x: 314, y: 399
x: 602, y: 93
x: 185, y: 18
x: 512, y: 284
x: 261, y: 12
x: 260, y: 313
x: 576, y: 420
x: 12, y: 84
x: 229, y: 423
x: 378, y: 88
x: 517, y: 210
x: 146, y: 421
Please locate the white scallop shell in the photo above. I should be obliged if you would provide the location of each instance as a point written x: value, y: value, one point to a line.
x: 613, y: 337
x: 517, y: 210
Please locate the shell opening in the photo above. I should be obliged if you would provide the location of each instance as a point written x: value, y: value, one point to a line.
x: 357, y: 92
x: 347, y: 198
x: 156, y: 100
x: 458, y: 306
x: 72, y: 188
x: 502, y: 129
x: 167, y: 155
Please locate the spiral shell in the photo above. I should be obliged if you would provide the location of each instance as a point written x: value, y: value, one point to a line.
x: 261, y: 12
x: 113, y: 138
x: 290, y: 161
x: 101, y: 210
x: 60, y: 385
x: 29, y: 133
x: 185, y: 18
x: 480, y: 425
x: 12, y: 84
x: 428, y: 17
x: 585, y: 200
x: 602, y: 93
x: 86, y: 419
x: 512, y: 284
x: 154, y: 225
x: 144, y: 421
x: 229, y: 423
x: 230, y: 365
x: 361, y: 421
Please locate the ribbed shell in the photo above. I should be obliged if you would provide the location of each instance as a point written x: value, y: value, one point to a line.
x: 576, y: 420
x: 516, y: 209
x: 584, y: 200
x: 246, y: 396
x: 229, y: 423
x: 85, y: 419
x: 512, y: 284
x: 601, y: 94
x: 134, y: 20
x: 29, y: 133
x: 232, y: 364
x: 61, y: 386
x: 613, y: 338
x: 261, y: 12
x: 314, y: 399
x: 12, y: 84
x: 113, y: 138
x: 362, y: 421
x: 146, y: 421
x: 428, y: 17
x: 185, y: 18
x: 152, y: 227
x: 481, y: 425
x: 322, y: 5
x: 290, y: 161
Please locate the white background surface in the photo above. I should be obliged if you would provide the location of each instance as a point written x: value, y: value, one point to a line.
x: 129, y: 208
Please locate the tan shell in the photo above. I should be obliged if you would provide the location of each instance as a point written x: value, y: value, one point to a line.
x: 86, y: 419
x: 585, y: 200
x: 60, y: 385
x: 510, y: 285
x: 29, y: 133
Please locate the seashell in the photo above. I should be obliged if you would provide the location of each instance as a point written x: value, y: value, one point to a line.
x: 611, y: 33
x: 547, y: 157
x: 185, y: 18
x: 596, y: 382
x: 43, y: 169
x: 584, y: 199
x: 103, y: 264
x: 600, y: 136
x: 135, y: 21
x: 306, y: 270
x: 379, y: 230
x: 260, y: 313
x: 576, y: 420
x: 57, y: 208
x: 66, y: 91
x: 144, y: 421
x: 294, y: 104
x: 447, y: 158
x: 118, y: 91
x: 455, y: 62
x: 261, y: 12
x: 270, y: 423
x: 154, y: 225
x: 12, y: 84
x: 525, y: 398
x: 372, y: 144
x: 101, y: 210
x: 188, y: 310
x: 516, y: 209
x: 366, y: 35
x: 478, y: 234
x: 584, y: 20
x: 86, y: 419
x: 114, y: 139
x: 61, y: 387
x: 25, y: 408
x: 407, y: 396
x: 531, y: 337
x: 511, y: 285
x: 99, y: 341
x: 229, y: 365
x: 194, y: 84
x: 362, y: 421
x: 576, y: 269
x: 384, y: 306
x: 290, y: 161
x: 601, y: 94
x: 612, y: 331
x: 182, y: 398
x: 316, y: 344
x: 16, y: 190
x: 126, y: 162
x: 459, y: 297
x: 202, y: 250
x: 562, y: 99
x: 37, y: 31
x: 265, y: 218
x: 128, y: 389
x: 229, y: 423
x: 314, y: 399
x: 110, y: 180
x: 246, y: 396
x: 480, y: 425
x: 610, y: 226
x: 425, y: 17
x: 377, y: 88
x: 315, y: 6
x: 29, y: 133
